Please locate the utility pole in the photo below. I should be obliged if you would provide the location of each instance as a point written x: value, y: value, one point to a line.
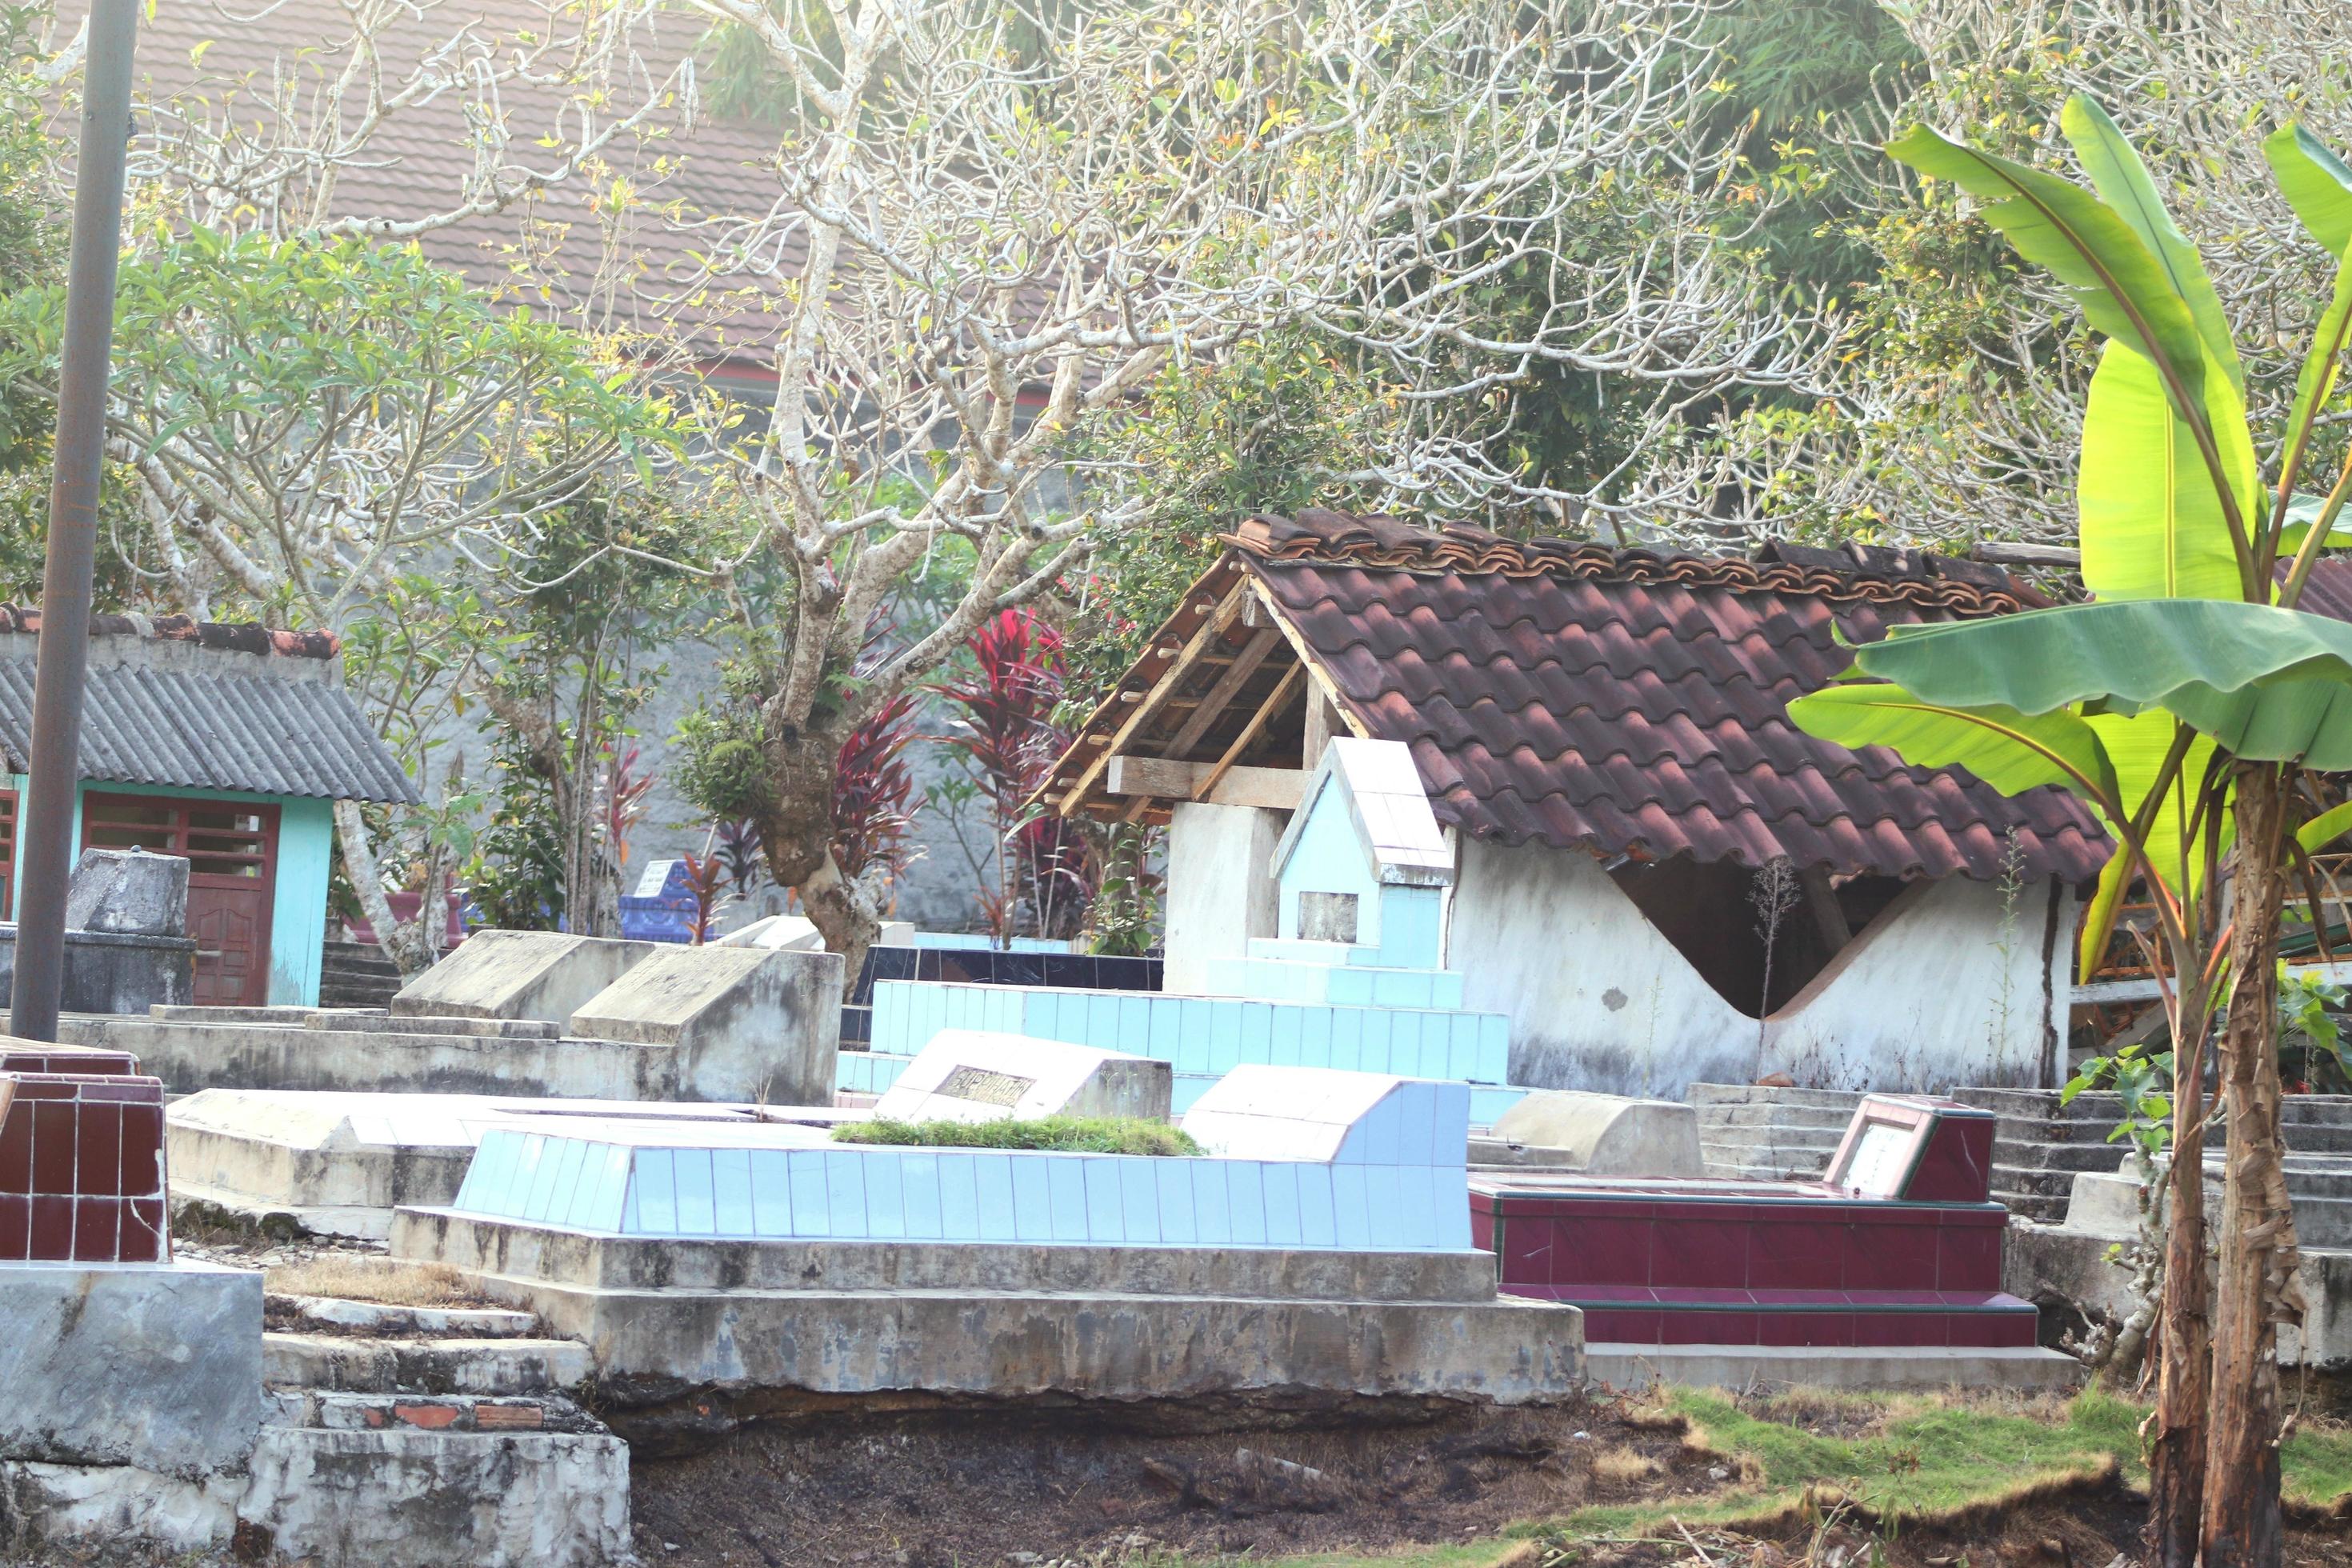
x: 63, y: 655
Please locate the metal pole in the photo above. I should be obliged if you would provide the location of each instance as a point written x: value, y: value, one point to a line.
x: 46, y: 854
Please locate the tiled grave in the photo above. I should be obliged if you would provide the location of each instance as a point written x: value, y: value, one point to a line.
x: 82, y: 1168
x: 337, y: 1165
x: 963, y: 1076
x: 1899, y: 1247
x: 1353, y: 981
x: 987, y: 966
x: 980, y: 1271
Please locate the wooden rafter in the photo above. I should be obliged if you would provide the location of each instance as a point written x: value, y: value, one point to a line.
x: 1153, y: 699
x: 1245, y: 664
x: 1274, y: 704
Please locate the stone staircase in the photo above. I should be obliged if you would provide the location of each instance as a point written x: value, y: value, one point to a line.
x: 1761, y: 1133
x: 356, y: 974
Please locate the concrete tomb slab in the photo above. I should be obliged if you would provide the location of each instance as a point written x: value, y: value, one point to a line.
x: 1346, y: 1118
x: 969, y: 1074
x: 1597, y: 1135
x: 539, y: 974
x: 158, y: 1366
x: 768, y: 1021
x: 128, y: 892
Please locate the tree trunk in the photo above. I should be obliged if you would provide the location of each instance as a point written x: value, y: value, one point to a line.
x: 796, y: 832
x: 400, y: 943
x: 2184, y: 1382
x: 2257, y: 1289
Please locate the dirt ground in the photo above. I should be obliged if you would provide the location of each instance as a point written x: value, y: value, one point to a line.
x: 962, y: 1491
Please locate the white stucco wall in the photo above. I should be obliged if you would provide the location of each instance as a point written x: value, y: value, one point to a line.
x: 1951, y: 986
x: 1220, y: 889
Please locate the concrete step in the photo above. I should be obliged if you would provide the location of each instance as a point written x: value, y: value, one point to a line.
x: 1632, y: 1366
x: 1792, y: 1116
x: 348, y: 1364
x: 383, y: 1317
x: 1706, y: 1094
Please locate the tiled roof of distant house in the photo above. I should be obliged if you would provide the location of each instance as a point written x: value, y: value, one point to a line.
x: 203, y: 50
x: 201, y: 705
x: 1621, y: 701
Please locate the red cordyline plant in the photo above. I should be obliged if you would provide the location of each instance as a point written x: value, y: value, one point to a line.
x: 626, y: 790
x: 873, y: 792
x: 706, y: 878
x: 1007, y: 735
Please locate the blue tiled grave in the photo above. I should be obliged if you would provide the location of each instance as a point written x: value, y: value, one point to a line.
x: 1353, y: 982
x: 1303, y: 1159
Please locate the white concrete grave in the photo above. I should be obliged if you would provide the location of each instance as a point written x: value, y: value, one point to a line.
x: 542, y: 974
x: 1259, y: 1112
x: 1596, y: 1135
x: 766, y: 1019
x: 971, y: 1075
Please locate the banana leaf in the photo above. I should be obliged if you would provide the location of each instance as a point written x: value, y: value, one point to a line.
x: 2153, y: 525
x: 2123, y: 290
x: 2267, y: 684
x: 2011, y: 750
x: 2122, y: 182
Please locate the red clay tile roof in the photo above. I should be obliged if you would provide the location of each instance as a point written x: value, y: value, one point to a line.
x: 217, y: 55
x: 1633, y: 702
x: 239, y: 637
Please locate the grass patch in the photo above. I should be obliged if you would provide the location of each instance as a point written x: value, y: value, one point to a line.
x: 1061, y: 1134
x: 366, y: 1278
x: 2315, y: 1464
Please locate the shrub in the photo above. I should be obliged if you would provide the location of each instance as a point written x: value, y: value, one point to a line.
x: 1066, y: 1134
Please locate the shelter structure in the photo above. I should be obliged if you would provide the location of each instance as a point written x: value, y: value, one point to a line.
x: 1655, y: 874
x: 228, y: 746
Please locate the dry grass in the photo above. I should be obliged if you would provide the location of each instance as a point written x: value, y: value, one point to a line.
x: 1623, y: 1466
x: 360, y: 1277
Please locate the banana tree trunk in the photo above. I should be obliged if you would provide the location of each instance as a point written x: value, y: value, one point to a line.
x: 2184, y: 1382
x: 2256, y: 1286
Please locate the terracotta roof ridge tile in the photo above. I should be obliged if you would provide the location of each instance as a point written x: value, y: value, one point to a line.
x: 237, y: 635
x: 1874, y: 574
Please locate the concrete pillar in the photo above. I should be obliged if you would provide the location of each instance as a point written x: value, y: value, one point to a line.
x: 1221, y: 888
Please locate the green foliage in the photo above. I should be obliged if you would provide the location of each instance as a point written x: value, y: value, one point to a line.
x: 2311, y: 1036
x: 2141, y: 1076
x: 723, y: 770
x: 1066, y: 1134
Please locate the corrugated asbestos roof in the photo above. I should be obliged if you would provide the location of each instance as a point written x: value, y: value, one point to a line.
x: 193, y: 727
x: 1634, y: 701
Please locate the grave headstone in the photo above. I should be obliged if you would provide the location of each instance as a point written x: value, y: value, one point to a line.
x: 1598, y: 1134
x: 540, y: 974
x: 128, y: 892
x: 769, y: 1020
x: 661, y: 907
x: 969, y: 1074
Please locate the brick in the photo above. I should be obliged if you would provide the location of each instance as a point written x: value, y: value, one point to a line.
x: 432, y: 1418
x: 510, y: 1417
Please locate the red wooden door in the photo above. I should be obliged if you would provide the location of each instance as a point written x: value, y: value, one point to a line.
x: 231, y: 848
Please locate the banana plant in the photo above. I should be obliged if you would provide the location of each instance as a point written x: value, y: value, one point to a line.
x: 2181, y: 704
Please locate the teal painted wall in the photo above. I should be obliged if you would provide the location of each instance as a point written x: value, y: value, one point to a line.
x: 1329, y: 857
x: 297, y: 910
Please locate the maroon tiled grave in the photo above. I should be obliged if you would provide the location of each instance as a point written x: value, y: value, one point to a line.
x: 81, y: 1166
x: 1899, y: 1246
x: 34, y: 1056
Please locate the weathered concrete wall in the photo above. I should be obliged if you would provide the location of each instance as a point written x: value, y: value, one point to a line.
x: 1221, y: 887
x: 748, y: 1023
x: 1952, y: 985
x: 418, y: 1499
x: 1123, y: 1344
x: 190, y: 1057
x: 1955, y: 984
x: 1597, y: 998
x: 107, y: 972
x: 155, y: 1367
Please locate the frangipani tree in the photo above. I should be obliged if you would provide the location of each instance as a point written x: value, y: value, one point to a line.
x: 2182, y: 704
